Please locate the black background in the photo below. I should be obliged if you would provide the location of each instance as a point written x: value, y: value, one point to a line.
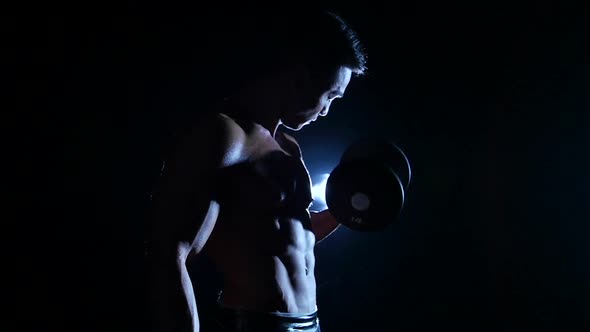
x: 488, y: 99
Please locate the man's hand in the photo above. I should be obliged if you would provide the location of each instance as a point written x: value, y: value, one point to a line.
x: 323, y: 224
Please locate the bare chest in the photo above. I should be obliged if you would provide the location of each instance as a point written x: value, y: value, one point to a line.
x: 270, y: 183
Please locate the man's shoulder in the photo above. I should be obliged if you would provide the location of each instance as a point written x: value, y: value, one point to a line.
x: 220, y: 125
x: 216, y: 136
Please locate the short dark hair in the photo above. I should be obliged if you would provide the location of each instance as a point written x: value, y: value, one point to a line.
x: 352, y: 51
x: 323, y: 39
x: 265, y: 42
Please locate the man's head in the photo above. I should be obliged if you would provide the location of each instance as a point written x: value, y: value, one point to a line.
x: 322, y: 53
x: 308, y: 57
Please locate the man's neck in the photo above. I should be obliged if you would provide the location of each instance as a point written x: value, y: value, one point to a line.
x: 247, y: 108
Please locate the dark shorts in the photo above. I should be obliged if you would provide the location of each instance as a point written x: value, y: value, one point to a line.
x: 232, y: 320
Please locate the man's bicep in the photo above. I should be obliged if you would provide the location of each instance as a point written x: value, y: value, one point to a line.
x: 182, y: 196
x: 183, y: 215
x: 184, y: 208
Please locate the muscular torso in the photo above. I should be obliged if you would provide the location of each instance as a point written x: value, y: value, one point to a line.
x: 262, y: 243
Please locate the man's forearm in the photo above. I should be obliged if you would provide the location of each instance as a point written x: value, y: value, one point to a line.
x: 173, y: 305
x: 323, y: 224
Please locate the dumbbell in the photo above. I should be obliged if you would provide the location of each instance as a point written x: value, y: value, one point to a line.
x: 366, y: 190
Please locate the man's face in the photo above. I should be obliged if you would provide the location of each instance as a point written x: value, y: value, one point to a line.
x: 315, y: 98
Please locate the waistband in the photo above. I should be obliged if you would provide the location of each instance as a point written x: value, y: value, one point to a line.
x: 246, y: 320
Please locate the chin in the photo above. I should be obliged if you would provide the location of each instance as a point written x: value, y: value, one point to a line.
x: 296, y: 125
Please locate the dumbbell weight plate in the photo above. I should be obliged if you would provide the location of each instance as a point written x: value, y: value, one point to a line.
x: 364, y: 195
x: 379, y: 149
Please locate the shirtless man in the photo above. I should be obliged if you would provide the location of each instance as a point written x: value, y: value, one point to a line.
x: 238, y: 191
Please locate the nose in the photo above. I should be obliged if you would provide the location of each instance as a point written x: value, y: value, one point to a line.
x: 324, y: 111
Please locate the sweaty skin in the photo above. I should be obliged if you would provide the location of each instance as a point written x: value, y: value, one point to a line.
x: 239, y: 192
x: 267, y: 260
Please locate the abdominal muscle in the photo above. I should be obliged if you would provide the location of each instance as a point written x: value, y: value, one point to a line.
x: 266, y: 264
